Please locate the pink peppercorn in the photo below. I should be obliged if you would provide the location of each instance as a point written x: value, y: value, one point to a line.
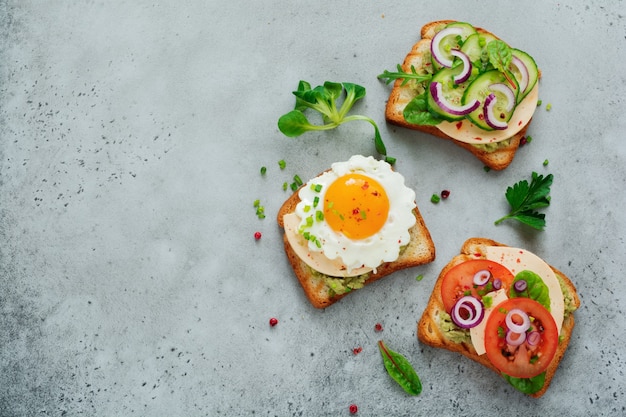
x: 353, y: 409
x: 273, y: 321
x: 257, y: 235
x: 445, y: 194
x: 378, y: 327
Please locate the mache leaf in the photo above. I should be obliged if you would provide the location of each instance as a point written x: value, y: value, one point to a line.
x: 400, y: 369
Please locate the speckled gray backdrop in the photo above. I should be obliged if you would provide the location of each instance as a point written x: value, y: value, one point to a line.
x: 131, y: 137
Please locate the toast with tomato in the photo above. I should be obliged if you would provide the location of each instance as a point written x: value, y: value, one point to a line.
x: 504, y: 308
x: 449, y: 92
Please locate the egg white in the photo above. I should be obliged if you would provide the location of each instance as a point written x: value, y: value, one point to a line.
x: 371, y: 252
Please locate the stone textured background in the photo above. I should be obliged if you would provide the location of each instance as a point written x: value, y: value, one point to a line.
x: 131, y: 138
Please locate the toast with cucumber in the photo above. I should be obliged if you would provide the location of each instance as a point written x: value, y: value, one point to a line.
x: 504, y: 308
x: 464, y: 84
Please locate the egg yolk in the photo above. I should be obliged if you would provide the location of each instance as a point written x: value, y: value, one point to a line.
x: 356, y: 205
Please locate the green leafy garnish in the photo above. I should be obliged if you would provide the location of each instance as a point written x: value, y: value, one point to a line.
x: 323, y: 99
x: 416, y: 112
x: 400, y: 369
x: 499, y: 55
x: 525, y: 199
x: 527, y: 385
x: 536, y: 289
x: 388, y: 76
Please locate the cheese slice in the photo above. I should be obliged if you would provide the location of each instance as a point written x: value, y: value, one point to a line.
x: 466, y: 131
x: 517, y: 260
x: 316, y: 260
x: 478, y: 332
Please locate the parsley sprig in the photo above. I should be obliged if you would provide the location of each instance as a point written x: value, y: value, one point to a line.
x: 526, y: 198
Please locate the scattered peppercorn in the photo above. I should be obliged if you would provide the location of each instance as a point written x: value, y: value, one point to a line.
x: 357, y: 350
x: 354, y: 409
x: 445, y: 194
x: 434, y: 198
x: 257, y: 235
x: 273, y: 321
x: 378, y: 327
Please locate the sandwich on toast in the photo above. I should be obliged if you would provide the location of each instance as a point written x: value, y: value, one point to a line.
x: 464, y: 84
x: 504, y: 308
x: 350, y: 226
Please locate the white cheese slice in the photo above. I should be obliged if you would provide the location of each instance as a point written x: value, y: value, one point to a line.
x: 466, y: 131
x: 316, y: 260
x: 478, y: 332
x: 517, y: 260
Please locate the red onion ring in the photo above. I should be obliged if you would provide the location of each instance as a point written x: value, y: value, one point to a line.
x: 467, y: 67
x: 497, y: 284
x: 514, y: 327
x: 521, y: 67
x: 437, y: 93
x: 506, y: 90
x: 474, y: 309
x: 490, y: 118
x: 434, y: 45
x: 533, y: 338
x: 482, y: 277
x: 515, y: 339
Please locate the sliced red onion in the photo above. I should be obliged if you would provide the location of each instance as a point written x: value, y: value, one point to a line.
x: 436, y: 41
x: 515, y: 339
x: 508, y: 93
x: 514, y: 327
x: 533, y: 338
x: 482, y: 277
x: 497, y: 284
x: 470, y: 307
x: 437, y: 93
x: 467, y: 67
x: 490, y: 118
x: 520, y: 285
x: 523, y: 70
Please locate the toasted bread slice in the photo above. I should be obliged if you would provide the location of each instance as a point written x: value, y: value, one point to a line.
x: 430, y: 333
x: 419, y: 58
x: 419, y: 251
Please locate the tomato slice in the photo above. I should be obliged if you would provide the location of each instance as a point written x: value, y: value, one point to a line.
x: 459, y: 280
x: 525, y: 360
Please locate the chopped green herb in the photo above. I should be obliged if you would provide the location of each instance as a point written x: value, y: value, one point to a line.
x: 316, y: 201
x: 319, y: 215
x: 282, y: 164
x: 419, y: 277
x: 435, y: 198
x: 501, y: 332
x: 293, y: 186
x: 525, y: 199
x: 529, y: 139
x: 285, y: 186
x: 263, y: 170
x: 548, y: 106
x: 317, y: 187
x: 297, y: 180
x: 545, y: 163
x: 257, y: 203
x: 486, y: 168
x: 487, y: 301
x: 538, y: 103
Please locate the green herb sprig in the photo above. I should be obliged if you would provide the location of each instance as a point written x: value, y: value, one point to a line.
x: 388, y: 76
x: 400, y: 369
x: 324, y: 99
x: 526, y: 198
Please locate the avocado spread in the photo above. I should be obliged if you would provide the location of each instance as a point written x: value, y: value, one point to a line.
x: 491, y: 147
x: 567, y: 298
x: 341, y: 285
x: 451, y: 330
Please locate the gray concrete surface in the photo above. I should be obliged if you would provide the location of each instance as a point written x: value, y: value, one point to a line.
x: 131, y: 138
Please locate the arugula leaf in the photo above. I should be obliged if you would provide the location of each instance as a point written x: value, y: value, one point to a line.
x: 400, y: 370
x: 323, y: 99
x: 416, y: 112
x: 527, y: 385
x: 524, y: 199
x: 388, y: 76
x: 536, y: 289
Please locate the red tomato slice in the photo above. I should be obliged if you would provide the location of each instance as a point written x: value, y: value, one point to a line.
x: 523, y: 361
x: 459, y: 280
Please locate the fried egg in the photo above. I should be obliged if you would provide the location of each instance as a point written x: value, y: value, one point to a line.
x: 357, y: 214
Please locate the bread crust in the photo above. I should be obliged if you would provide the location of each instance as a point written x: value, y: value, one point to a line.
x: 419, y: 251
x: 429, y: 332
x: 400, y: 96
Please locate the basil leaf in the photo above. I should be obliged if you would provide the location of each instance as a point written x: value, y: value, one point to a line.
x: 416, y: 112
x: 527, y: 385
x: 400, y: 370
x: 536, y: 289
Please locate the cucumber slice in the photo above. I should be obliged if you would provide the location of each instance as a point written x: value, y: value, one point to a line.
x: 531, y: 67
x: 475, y: 47
x: 453, y: 42
x: 479, y: 90
x: 452, y: 92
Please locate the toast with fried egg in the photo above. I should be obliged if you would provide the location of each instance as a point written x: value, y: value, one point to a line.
x: 436, y: 329
x: 496, y: 155
x: 321, y: 288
